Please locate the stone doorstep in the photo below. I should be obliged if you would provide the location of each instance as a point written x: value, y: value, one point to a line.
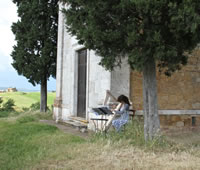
x: 79, y: 119
x: 77, y: 124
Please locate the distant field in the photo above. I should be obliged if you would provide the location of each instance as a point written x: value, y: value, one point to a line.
x: 25, y: 99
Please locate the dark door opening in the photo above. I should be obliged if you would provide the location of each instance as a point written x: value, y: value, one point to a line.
x: 82, y: 77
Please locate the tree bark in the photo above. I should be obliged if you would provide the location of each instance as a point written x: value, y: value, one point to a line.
x: 43, y: 95
x: 151, y: 117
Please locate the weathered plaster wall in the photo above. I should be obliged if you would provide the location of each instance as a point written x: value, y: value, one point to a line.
x: 181, y: 91
x: 98, y: 81
x: 57, y: 113
x: 120, y: 80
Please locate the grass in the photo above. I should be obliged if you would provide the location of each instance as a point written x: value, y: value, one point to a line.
x: 4, y: 114
x: 24, y: 100
x: 133, y: 135
x: 26, y: 142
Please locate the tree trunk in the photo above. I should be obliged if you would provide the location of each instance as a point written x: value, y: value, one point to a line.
x: 43, y: 96
x: 151, y: 117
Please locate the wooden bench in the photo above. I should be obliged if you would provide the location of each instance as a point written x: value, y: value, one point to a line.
x: 132, y: 114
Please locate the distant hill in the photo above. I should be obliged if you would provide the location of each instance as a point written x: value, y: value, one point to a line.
x: 3, y: 88
x: 24, y: 99
x: 12, y: 79
x: 20, y: 89
x: 27, y: 90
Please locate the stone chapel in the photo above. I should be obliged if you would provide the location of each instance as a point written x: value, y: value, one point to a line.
x: 81, y: 84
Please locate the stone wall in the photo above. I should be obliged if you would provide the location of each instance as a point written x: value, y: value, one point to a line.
x: 177, y: 121
x: 181, y: 91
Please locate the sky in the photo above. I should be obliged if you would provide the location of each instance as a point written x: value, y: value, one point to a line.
x: 8, y: 75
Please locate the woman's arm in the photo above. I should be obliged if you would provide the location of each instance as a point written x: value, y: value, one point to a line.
x: 118, y: 107
x: 124, y: 108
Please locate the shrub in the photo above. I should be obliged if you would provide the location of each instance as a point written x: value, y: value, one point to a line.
x: 1, y: 101
x: 25, y: 109
x: 35, y: 106
x: 8, y: 105
x: 7, y: 108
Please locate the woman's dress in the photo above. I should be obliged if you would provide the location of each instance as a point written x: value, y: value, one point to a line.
x: 123, y: 114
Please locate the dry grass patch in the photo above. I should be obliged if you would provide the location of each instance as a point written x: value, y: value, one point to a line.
x: 102, y: 155
x: 127, y: 150
x: 186, y: 136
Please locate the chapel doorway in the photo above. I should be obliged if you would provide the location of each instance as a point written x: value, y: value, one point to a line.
x: 82, y: 77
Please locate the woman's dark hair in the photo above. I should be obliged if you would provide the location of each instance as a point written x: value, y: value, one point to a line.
x: 123, y: 98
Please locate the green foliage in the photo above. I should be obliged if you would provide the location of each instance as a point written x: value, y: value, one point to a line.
x: 35, y: 106
x: 9, y: 105
x: 142, y: 30
x: 34, y: 55
x: 1, y: 101
x: 25, y: 109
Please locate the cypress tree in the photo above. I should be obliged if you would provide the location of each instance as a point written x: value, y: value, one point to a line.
x: 34, y: 55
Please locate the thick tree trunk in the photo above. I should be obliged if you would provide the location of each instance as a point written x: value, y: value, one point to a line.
x: 151, y: 118
x: 43, y: 96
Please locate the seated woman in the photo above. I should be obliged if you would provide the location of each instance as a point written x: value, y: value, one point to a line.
x: 121, y: 115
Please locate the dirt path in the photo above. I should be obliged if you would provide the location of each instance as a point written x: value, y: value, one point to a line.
x: 67, y: 128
